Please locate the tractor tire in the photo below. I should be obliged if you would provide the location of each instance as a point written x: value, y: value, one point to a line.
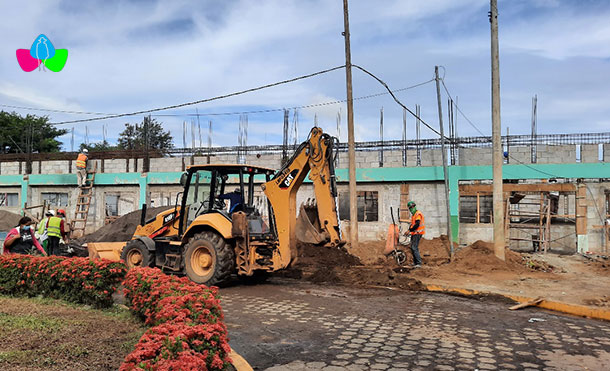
x: 209, y: 259
x: 135, y: 254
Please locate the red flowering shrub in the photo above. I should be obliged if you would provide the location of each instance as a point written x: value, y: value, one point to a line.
x: 188, y: 332
x: 78, y: 280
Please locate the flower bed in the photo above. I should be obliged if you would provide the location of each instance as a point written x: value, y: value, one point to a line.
x: 188, y: 331
x: 78, y: 280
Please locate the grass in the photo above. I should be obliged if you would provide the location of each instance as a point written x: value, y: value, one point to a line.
x: 29, y: 322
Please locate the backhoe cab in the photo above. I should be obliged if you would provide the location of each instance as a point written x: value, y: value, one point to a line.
x: 209, y: 240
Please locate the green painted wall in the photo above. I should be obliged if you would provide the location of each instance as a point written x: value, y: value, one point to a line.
x: 394, y: 174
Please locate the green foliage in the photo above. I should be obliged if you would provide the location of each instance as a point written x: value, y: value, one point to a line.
x: 134, y: 137
x: 29, y: 322
x: 98, y: 146
x: 14, y: 130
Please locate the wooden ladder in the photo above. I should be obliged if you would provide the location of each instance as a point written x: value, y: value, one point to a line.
x: 79, y: 223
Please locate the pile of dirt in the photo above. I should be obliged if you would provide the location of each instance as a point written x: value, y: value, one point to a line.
x: 8, y: 220
x: 480, y: 257
x: 123, y: 228
x: 600, y: 265
x: 320, y: 264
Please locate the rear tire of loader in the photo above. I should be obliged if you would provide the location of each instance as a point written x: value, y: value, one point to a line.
x: 209, y: 259
x: 135, y: 254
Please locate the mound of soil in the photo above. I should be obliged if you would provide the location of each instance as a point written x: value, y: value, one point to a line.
x: 480, y: 257
x: 8, y: 220
x: 123, y: 228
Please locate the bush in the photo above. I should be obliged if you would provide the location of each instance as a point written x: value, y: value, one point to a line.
x: 188, y: 333
x: 77, y: 280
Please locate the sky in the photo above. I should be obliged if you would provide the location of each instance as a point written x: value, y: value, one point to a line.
x: 132, y: 55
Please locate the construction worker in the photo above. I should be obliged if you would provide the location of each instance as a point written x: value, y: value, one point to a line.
x: 417, y: 229
x: 56, y: 230
x: 21, y: 239
x: 81, y: 166
x: 235, y: 198
x: 43, y: 237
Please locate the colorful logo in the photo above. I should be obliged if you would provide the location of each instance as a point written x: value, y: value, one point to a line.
x: 43, y: 55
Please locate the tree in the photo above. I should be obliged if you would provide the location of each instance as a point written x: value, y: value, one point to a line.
x: 98, y: 146
x: 134, y: 137
x: 30, y: 133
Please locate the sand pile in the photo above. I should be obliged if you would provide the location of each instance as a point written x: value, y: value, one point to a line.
x: 8, y: 220
x: 121, y: 229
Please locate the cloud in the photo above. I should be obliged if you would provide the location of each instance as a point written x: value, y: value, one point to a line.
x: 130, y: 55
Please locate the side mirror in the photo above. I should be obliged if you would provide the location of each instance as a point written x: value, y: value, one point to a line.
x: 183, y: 178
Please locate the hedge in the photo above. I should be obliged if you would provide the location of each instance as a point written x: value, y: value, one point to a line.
x: 77, y: 280
x: 188, y: 331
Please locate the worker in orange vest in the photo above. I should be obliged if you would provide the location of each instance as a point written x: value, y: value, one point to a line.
x: 417, y: 229
x: 81, y: 167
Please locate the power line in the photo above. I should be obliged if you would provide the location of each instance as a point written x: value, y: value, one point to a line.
x: 232, y: 113
x: 203, y: 100
x: 55, y: 110
x: 396, y: 99
x: 459, y: 110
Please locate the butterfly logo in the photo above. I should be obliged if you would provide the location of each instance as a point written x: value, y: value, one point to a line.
x: 42, y: 55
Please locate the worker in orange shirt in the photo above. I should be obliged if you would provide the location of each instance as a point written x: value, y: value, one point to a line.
x: 81, y: 166
x: 417, y: 229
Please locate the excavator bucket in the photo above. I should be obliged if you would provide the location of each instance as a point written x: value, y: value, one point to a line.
x: 105, y: 250
x: 308, y: 229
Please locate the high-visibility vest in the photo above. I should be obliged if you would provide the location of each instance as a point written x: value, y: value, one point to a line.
x: 42, y: 225
x: 422, y: 228
x: 54, y: 227
x: 81, y: 161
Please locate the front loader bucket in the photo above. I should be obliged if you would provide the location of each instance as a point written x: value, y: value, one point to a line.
x: 308, y: 228
x: 105, y: 250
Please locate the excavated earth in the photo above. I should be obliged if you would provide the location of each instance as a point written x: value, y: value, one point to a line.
x: 123, y: 228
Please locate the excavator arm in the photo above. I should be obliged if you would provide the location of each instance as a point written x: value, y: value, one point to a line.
x: 313, y: 157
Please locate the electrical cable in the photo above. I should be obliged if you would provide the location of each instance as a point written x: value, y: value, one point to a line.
x: 458, y: 108
x: 234, y: 113
x: 203, y: 100
x: 396, y: 99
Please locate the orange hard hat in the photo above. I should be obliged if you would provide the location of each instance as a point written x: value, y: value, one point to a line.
x: 62, y: 212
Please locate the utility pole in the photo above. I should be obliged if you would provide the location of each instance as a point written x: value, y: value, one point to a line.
x: 444, y: 157
x: 351, y: 148
x: 498, y: 209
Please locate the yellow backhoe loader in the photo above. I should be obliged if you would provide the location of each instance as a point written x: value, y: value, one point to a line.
x: 209, y: 243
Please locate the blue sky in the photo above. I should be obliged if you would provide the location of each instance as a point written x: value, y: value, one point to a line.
x: 132, y: 55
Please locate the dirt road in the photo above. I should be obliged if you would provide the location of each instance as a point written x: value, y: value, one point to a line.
x: 291, y: 325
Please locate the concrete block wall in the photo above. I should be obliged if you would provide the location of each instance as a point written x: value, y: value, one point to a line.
x: 606, y: 152
x: 9, y: 168
x: 589, y: 153
x: 431, y: 157
x: 471, y: 233
x: 474, y: 156
x: 520, y: 154
x: 166, y: 164
x: 595, y: 212
x: 115, y: 166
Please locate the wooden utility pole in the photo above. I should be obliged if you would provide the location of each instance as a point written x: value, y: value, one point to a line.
x: 498, y: 209
x: 444, y: 157
x: 351, y: 148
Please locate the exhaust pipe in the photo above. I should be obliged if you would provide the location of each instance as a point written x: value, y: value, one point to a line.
x: 143, y: 215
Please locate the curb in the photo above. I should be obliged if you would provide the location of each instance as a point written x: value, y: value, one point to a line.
x: 239, y: 362
x: 573, y: 309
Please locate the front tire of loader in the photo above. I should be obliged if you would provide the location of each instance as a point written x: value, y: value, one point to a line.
x: 209, y: 259
x: 135, y: 254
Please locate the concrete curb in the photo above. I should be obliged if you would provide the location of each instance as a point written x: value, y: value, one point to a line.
x: 574, y: 309
x: 239, y: 362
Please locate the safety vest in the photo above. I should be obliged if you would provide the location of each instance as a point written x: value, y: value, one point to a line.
x: 81, y: 161
x: 54, y: 227
x: 422, y: 228
x: 42, y: 225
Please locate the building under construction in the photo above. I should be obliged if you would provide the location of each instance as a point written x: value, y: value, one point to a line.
x: 556, y: 187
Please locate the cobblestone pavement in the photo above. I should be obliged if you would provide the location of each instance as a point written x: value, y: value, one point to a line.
x: 288, y: 325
